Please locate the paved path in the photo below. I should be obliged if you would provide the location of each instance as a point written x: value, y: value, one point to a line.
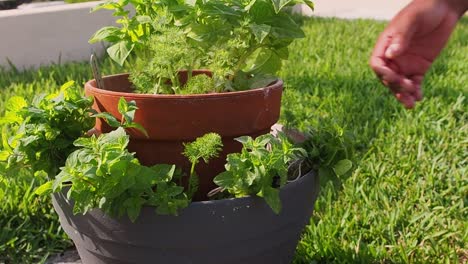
x: 374, y: 9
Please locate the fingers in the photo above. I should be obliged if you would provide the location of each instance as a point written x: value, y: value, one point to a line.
x: 417, y: 80
x: 389, y: 49
x: 408, y: 97
x: 407, y: 100
x: 406, y: 90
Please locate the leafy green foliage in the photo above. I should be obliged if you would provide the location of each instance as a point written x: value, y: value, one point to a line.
x: 241, y: 42
x: 203, y: 148
x: 329, y: 150
x: 206, y: 147
x: 199, y: 84
x: 260, y: 168
x: 127, y: 110
x: 103, y: 174
x: 169, y: 51
x: 404, y: 201
x: 44, y: 129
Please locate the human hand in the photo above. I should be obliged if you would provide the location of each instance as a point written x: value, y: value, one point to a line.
x: 411, y: 42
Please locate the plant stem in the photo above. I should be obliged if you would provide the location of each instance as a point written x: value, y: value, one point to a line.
x: 192, y: 171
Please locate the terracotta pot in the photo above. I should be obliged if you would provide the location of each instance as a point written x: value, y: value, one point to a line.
x: 229, y: 231
x: 172, y: 120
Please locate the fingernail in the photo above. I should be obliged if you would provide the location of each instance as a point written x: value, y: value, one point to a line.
x: 392, y: 50
x: 408, y: 85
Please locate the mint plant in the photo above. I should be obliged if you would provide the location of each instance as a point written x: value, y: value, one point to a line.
x: 260, y: 168
x: 44, y: 130
x: 99, y: 172
x: 103, y: 174
x: 242, y: 42
x: 127, y: 111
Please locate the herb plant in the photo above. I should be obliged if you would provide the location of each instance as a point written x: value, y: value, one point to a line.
x: 260, y: 168
x: 206, y: 148
x: 99, y: 171
x: 127, y: 111
x: 103, y: 174
x: 45, y: 129
x: 243, y: 42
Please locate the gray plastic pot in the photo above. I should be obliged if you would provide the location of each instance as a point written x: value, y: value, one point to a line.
x: 241, y: 231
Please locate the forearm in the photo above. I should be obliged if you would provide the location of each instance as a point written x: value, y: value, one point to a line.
x: 459, y: 6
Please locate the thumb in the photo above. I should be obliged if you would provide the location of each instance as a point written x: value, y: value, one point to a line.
x: 401, y: 31
x: 399, y: 43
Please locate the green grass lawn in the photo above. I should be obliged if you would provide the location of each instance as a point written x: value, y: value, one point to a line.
x: 403, y: 202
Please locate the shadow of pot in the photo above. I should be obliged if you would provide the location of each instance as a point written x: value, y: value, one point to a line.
x: 172, y: 120
x: 241, y: 230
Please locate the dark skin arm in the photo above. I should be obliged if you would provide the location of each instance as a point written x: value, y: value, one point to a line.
x: 411, y: 42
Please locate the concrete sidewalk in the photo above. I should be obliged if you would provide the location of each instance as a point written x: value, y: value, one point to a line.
x: 372, y: 9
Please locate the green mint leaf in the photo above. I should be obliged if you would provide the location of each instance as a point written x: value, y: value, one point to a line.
x: 66, y: 86
x: 15, y: 104
x: 28, y: 140
x: 122, y: 105
x: 4, y: 155
x: 272, y: 198
x: 10, y: 118
x: 139, y: 127
x: 83, y: 142
x: 262, y: 140
x: 129, y: 116
x: 44, y: 189
x: 144, y: 19
x: 249, y: 5
x: 110, y: 119
x: 163, y: 172
x: 191, y: 2
x: 5, y: 144
x: 243, y: 139
x: 118, y: 136
x: 342, y: 167
x: 225, y: 179
x: 133, y: 206
x: 102, y: 202
x: 127, y: 109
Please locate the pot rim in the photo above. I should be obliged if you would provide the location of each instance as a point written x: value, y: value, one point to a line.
x: 91, y: 86
x: 290, y: 187
x: 247, y: 199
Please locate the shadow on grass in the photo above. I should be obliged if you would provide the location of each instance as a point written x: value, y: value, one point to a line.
x: 342, y: 114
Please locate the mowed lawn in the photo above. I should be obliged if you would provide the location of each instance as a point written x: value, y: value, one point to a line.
x: 404, y: 200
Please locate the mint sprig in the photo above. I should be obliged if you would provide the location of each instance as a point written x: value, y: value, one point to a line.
x: 44, y: 129
x: 260, y: 168
x: 104, y: 174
